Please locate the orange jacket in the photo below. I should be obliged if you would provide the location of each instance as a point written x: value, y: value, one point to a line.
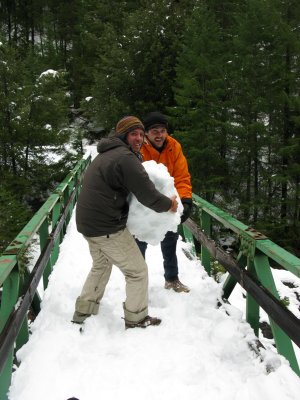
x: 172, y: 157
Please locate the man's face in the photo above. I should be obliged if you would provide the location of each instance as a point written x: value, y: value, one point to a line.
x: 157, y: 136
x: 135, y: 139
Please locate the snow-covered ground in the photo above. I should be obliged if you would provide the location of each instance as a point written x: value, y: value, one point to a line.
x: 199, y: 351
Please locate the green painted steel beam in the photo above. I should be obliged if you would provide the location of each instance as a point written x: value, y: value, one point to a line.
x: 5, y: 376
x: 230, y: 282
x: 252, y: 307
x: 280, y: 255
x: 7, y: 264
x: 10, y: 295
x: 226, y: 219
x: 206, y: 227
x: 260, y: 242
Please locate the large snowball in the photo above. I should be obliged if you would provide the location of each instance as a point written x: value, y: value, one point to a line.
x: 146, y: 224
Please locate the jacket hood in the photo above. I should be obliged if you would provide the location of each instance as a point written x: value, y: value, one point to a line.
x: 106, y: 144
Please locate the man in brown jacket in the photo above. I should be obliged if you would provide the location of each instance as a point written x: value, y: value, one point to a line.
x: 101, y: 216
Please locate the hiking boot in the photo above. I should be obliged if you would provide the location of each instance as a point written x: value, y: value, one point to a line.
x: 147, y: 321
x: 79, y: 318
x: 177, y: 286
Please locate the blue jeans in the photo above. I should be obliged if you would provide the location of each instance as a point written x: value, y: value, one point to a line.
x: 168, y: 248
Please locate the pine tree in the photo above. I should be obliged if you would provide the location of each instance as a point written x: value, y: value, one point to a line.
x: 252, y: 79
x: 201, y: 93
x: 137, y: 60
x: 266, y: 110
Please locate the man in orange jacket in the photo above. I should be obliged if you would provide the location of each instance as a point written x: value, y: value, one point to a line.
x: 162, y: 148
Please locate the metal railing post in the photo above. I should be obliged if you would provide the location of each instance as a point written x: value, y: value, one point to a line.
x: 206, y: 227
x: 252, y: 307
x: 282, y: 340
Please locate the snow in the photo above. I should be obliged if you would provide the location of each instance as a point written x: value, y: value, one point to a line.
x: 154, y: 226
x: 49, y: 72
x: 199, y: 350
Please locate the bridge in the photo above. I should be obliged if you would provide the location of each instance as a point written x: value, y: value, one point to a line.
x: 205, y: 344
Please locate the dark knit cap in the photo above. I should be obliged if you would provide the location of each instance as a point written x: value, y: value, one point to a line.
x: 154, y: 119
x: 128, y: 124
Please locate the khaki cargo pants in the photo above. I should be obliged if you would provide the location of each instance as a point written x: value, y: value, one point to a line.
x: 118, y: 249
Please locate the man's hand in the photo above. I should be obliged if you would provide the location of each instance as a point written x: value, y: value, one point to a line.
x: 174, y: 204
x: 187, y: 209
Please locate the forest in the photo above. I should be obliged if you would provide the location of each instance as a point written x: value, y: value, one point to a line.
x: 226, y: 73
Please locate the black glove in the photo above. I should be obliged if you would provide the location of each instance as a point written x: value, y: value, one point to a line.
x: 187, y: 209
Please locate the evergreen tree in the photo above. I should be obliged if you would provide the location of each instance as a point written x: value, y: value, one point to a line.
x: 226, y: 74
x: 136, y: 64
x: 202, y: 93
x: 22, y: 21
x: 33, y: 122
x: 252, y: 77
x: 289, y: 111
x: 266, y: 109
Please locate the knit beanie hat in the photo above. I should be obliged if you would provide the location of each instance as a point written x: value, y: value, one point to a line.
x: 128, y: 124
x: 155, y: 119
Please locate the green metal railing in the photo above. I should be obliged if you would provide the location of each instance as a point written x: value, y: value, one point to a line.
x: 19, y: 294
x: 251, y: 269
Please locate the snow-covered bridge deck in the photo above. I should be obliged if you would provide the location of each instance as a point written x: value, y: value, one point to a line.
x: 199, y: 351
